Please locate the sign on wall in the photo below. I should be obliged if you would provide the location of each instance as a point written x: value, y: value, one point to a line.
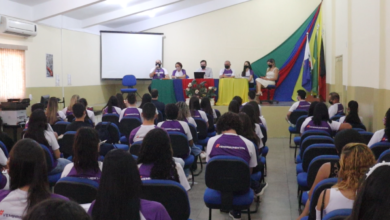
x: 49, y: 65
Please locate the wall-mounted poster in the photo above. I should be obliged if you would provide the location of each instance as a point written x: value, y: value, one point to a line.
x: 49, y: 65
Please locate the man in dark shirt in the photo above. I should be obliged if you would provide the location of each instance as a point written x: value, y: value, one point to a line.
x: 79, y: 113
x: 159, y: 105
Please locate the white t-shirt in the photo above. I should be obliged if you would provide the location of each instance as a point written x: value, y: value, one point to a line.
x: 223, y: 70
x: 139, y: 133
x: 182, y: 177
x: 69, y: 167
x: 183, y: 124
x: 248, y: 143
x: 178, y: 74
x: 91, y: 115
x: 342, y: 119
x: 248, y: 75
x: 3, y: 158
x: 259, y: 134
x: 333, y: 110
x: 62, y: 115
x: 124, y: 110
x: 335, y: 126
x: 377, y: 137
x: 5, y: 174
x: 262, y: 119
x: 14, y: 204
x: 51, y: 140
x: 65, y: 110
x: 203, y: 115
x: 191, y: 120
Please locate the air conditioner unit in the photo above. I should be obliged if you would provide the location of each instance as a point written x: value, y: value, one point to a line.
x: 17, y: 27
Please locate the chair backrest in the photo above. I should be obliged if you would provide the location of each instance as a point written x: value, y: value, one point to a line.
x: 113, y: 118
x: 4, y: 149
x: 385, y: 156
x: 336, y: 117
x: 358, y: 129
x: 60, y: 127
x: 49, y: 158
x: 80, y: 190
x: 179, y: 142
x: 299, y: 123
x: 160, y: 117
x: 129, y: 80
x: 113, y: 132
x: 105, y: 148
x: 321, y: 186
x: 316, y: 164
x: 339, y: 214
x: 66, y: 143
x: 70, y: 118
x: 265, y: 136
x: 135, y: 148
x: 314, y: 139
x: 361, y: 126
x: 379, y: 148
x: 313, y: 132
x: 366, y: 135
x: 170, y: 194
x: 201, y: 126
x: 218, y: 113
x: 296, y: 114
x: 316, y: 150
x: 127, y: 124
x: 194, y: 133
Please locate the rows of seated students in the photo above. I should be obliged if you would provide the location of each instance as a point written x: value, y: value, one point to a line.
x: 350, y: 194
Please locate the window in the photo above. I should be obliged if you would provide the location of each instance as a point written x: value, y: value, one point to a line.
x: 12, y: 77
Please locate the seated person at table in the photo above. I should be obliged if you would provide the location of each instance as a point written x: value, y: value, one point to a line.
x: 85, y: 156
x: 229, y: 143
x: 90, y: 114
x: 353, y: 114
x: 301, y: 104
x: 321, y: 121
x: 336, y: 107
x: 111, y: 106
x: 29, y: 181
x: 247, y: 73
x: 79, y: 114
x: 227, y: 72
x: 383, y: 134
x: 68, y: 110
x: 119, y: 193
x: 195, y: 110
x: 184, y: 114
x: 270, y: 77
x: 179, y: 72
x: 155, y: 159
x: 159, y: 105
x: 131, y: 110
x: 158, y: 72
x: 252, y: 97
x: 208, y: 72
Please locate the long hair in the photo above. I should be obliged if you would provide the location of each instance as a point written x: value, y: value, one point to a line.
x: 121, y: 101
x: 194, y: 105
x: 234, y: 107
x: 312, y: 107
x: 206, y: 106
x: 146, y: 98
x: 52, y: 110
x: 373, y: 197
x: 118, y: 196
x: 156, y: 149
x: 321, y: 114
x: 73, y: 100
x: 387, y: 123
x: 113, y: 101
x: 85, y: 150
x: 256, y: 110
x: 249, y: 110
x: 355, y: 160
x: 37, y: 126
x: 353, y: 116
x: 27, y: 167
x: 249, y: 67
x: 248, y: 133
x: 184, y: 111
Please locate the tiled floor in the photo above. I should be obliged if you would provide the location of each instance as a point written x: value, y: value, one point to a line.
x: 279, y: 201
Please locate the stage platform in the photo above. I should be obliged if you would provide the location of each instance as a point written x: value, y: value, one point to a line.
x: 275, y: 115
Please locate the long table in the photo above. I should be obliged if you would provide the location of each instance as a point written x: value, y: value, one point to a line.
x: 173, y: 90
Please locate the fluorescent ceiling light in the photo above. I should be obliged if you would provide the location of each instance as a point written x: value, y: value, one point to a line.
x: 122, y: 3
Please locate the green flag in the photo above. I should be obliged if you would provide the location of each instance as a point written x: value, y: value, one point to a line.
x: 315, y: 68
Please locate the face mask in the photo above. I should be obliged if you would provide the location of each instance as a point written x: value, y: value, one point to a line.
x: 203, y: 67
x: 270, y: 66
x: 227, y: 66
x: 177, y: 68
x: 330, y: 102
x: 157, y: 64
x: 246, y: 66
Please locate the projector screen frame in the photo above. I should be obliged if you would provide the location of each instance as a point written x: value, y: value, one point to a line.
x: 127, y: 32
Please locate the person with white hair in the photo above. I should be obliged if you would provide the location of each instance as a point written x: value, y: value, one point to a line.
x: 227, y: 72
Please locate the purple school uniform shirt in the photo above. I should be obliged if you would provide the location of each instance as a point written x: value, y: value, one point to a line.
x: 3, y: 181
x: 132, y: 112
x: 303, y: 105
x: 146, y: 169
x: 183, y: 71
x: 68, y: 112
x: 139, y: 133
x: 160, y: 74
x: 105, y: 111
x: 228, y: 72
x: 92, y: 175
x: 172, y: 126
x: 323, y: 127
x: 150, y: 210
x: 196, y: 114
x: 340, y: 109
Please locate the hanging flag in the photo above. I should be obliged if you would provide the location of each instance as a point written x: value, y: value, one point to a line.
x: 307, y: 67
x: 315, y: 66
x: 322, y: 78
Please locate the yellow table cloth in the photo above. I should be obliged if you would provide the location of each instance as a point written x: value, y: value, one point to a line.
x: 228, y: 88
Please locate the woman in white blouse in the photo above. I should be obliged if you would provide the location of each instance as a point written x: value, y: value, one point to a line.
x: 270, y: 77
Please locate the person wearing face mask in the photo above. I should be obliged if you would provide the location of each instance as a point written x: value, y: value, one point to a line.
x: 208, y: 72
x: 336, y: 107
x: 227, y: 72
x: 247, y: 73
x: 301, y: 104
x: 158, y: 72
x: 383, y: 134
x: 179, y: 72
x: 270, y: 77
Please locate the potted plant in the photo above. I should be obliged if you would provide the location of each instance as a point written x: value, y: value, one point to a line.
x: 200, y: 90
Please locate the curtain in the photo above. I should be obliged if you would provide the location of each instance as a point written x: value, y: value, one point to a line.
x: 12, y: 76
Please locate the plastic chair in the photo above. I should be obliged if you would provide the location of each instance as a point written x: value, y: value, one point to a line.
x: 60, y: 127
x: 385, y: 156
x: 336, y: 117
x: 297, y: 128
x: 80, y: 190
x: 201, y: 127
x: 298, y: 140
x: 127, y: 124
x: 70, y: 118
x: 113, y: 118
x: 52, y: 178
x: 379, y: 148
x: 361, y: 126
x: 321, y: 186
x: 314, y: 139
x: 114, y: 134
x: 367, y: 136
x: 135, y: 148
x: 66, y: 143
x: 228, y: 190
x: 129, y: 81
x: 170, y: 194
x: 339, y: 214
x: 194, y: 134
x: 312, y: 152
x: 297, y: 114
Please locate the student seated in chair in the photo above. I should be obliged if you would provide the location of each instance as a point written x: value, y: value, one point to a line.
x: 131, y: 110
x: 383, y: 134
x: 301, y: 104
x: 52, y: 113
x: 336, y: 107
x: 159, y: 105
x: 79, y: 113
x: 353, y: 117
x: 68, y: 110
x: 112, y: 106
x: 90, y: 114
x: 184, y: 114
x: 252, y: 97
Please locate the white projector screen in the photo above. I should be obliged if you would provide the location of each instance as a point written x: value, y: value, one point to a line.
x: 129, y: 54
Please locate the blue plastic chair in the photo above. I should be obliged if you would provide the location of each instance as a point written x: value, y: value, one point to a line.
x: 367, y: 136
x: 297, y: 128
x: 312, y: 152
x: 298, y: 140
x: 80, y: 190
x: 126, y: 125
x: 202, y: 128
x: 385, y: 156
x: 110, y: 117
x: 66, y: 143
x: 339, y: 214
x: 114, y: 135
x: 170, y: 194
x: 129, y: 81
x: 314, y: 139
x: 60, y: 127
x: 135, y: 148
x: 380, y: 148
x: 228, y: 190
x: 52, y: 178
